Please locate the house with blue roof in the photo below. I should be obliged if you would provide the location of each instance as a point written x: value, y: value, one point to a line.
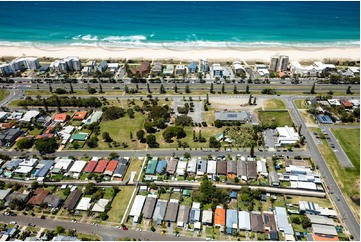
x: 324, y: 119
x: 162, y: 164
x: 233, y: 195
x: 11, y: 165
x: 192, y: 67
x: 231, y: 220
x: 43, y: 168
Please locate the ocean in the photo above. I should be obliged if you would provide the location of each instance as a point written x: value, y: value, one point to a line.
x: 181, y: 24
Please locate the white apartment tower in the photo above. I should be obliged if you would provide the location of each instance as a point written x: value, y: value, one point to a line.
x: 279, y: 62
x: 203, y: 65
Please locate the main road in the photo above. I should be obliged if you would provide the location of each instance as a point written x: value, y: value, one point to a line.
x: 349, y: 218
x: 107, y: 233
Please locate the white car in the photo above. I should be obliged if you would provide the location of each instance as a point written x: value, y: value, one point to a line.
x: 13, y: 222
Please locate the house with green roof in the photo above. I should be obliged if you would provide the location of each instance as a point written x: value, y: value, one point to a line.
x: 152, y: 165
x: 79, y: 136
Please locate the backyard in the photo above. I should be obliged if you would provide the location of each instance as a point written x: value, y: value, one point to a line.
x: 119, y: 204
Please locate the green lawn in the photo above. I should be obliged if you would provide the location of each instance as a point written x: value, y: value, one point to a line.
x: 348, y: 179
x: 350, y: 142
x: 120, y: 129
x: 278, y: 119
x: 4, y: 93
x: 35, y: 131
x: 297, y: 227
x: 187, y: 201
x: 323, y: 202
x: 274, y: 103
x: 164, y: 196
x: 119, y: 204
x: 301, y: 104
x: 134, y: 165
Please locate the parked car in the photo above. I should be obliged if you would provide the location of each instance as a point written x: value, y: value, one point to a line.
x: 13, y: 222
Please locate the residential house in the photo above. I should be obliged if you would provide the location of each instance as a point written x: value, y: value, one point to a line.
x: 80, y: 115
x: 207, y: 217
x: 231, y: 169
x: 9, y: 136
x: 219, y: 217
x: 171, y: 166
x: 43, y: 168
x: 231, y: 221
x: 192, y: 166
x: 121, y: 168
x: 149, y: 206
x: 102, y: 66
x: 212, y: 167
x: 29, y: 115
x: 257, y: 222
x: 73, y: 199
x: 238, y: 68
x: 201, y: 167
x: 100, y: 168
x: 112, y: 165
x: 84, y: 204
x: 24, y: 196
x: 181, y: 168
x: 52, y: 201
x: 172, y: 211
x: 261, y: 167
x: 244, y: 220
x: 217, y: 70
x: 157, y: 68
x: 4, y: 194
x: 192, y: 67
x: 283, y: 224
x: 100, y: 205
x: 77, y: 168
x: 93, y: 118
x: 143, y: 69
x: 274, y: 179
x: 287, y: 135
x: 90, y: 166
x: 183, y: 215
x: 203, y: 65
x: 242, y: 168
x: 169, y: 70
x: 346, y: 103
x: 159, y: 211
x: 161, y: 166
x: 251, y: 170
x: 152, y: 165
x: 324, y: 232
x: 180, y: 70
x: 269, y: 221
x: 38, y: 196
x: 221, y: 167
x: 137, y: 207
x: 195, y: 214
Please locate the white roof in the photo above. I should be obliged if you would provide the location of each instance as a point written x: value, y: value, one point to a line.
x: 180, y: 67
x: 287, y: 135
x: 282, y: 220
x: 355, y: 102
x: 137, y: 206
x: 212, y: 167
x: 182, y: 165
x: 196, y: 205
x: 192, y: 165
x: 216, y: 67
x: 316, y: 219
x: 261, y: 66
x: 324, y: 229
x: 263, y: 72
x: 29, y: 115
x: 3, y: 114
x: 261, y: 167
x: 327, y: 212
x: 354, y: 69
x: 113, y: 65
x: 63, y: 163
x: 84, y: 204
x: 303, y: 185
x: 95, y: 158
x: 67, y: 130
x: 207, y: 216
x: 100, y: 205
x: 334, y: 102
x: 244, y: 220
x: 23, y: 169
x: 197, y: 225
x: 237, y: 65
x: 28, y: 162
x: 78, y: 166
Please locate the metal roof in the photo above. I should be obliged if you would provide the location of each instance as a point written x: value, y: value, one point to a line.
x: 149, y: 206
x: 282, y: 220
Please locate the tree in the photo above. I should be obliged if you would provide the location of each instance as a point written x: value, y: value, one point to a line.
x: 130, y: 113
x: 187, y: 90
x: 211, y: 89
x: 162, y: 89
x: 214, y: 143
x: 306, y: 222
x: 348, y: 91
x: 50, y: 88
x: 58, y: 106
x: 296, y: 220
x: 247, y: 89
x: 126, y: 89
x: 200, y: 135
x: 90, y: 189
x: 250, y: 100
x: 151, y: 141
x: 175, y: 88
x: 313, y: 89
x: 148, y: 88
x: 17, y: 203
x: 71, y: 88
x: 24, y: 143
x: 254, y: 101
x: 194, y: 135
x: 140, y: 135
x: 172, y: 131
x: 46, y: 145
x: 251, y: 153
x: 235, y: 89
x: 207, y: 99
x: 45, y: 104
x: 223, y: 88
x: 113, y: 113
x: 60, y: 91
x: 131, y: 136
x: 183, y: 120
x: 100, y: 88
x: 92, y: 142
x: 106, y: 137
x: 59, y: 230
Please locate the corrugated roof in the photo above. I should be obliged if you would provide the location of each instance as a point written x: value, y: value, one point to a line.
x: 244, y: 220
x: 231, y: 220
x: 231, y: 167
x: 221, y: 167
x: 269, y: 221
x: 73, y: 199
x: 39, y: 196
x: 152, y: 164
x: 172, y: 211
x: 257, y: 222
x: 159, y: 211
x: 102, y: 164
x: 160, y: 166
x: 172, y: 166
x: 183, y: 214
x: 220, y: 217
x: 112, y: 165
x: 282, y: 220
x: 90, y: 166
x: 149, y: 207
x: 252, y: 169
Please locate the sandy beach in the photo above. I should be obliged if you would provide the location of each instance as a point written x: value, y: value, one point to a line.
x: 220, y: 54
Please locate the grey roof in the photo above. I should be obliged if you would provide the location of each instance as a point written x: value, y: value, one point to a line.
x: 159, y: 211
x: 231, y: 166
x: 52, y: 200
x: 183, y: 214
x: 157, y: 67
x: 65, y: 238
x: 73, y: 199
x: 4, y: 194
x: 17, y: 195
x: 252, y: 169
x: 257, y: 222
x: 195, y: 215
x: 316, y: 219
x: 221, y: 167
x: 269, y: 221
x: 13, y: 164
x: 241, y: 168
x: 324, y: 229
x: 171, y: 213
x: 121, y: 168
x: 273, y: 177
x: 149, y: 207
x: 233, y: 116
x: 282, y: 220
x: 171, y: 166
x: 10, y: 135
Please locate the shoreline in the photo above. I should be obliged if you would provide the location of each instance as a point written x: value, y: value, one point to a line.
x: 183, y: 54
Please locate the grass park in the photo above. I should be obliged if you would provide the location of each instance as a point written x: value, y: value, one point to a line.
x: 3, y: 94
x: 119, y: 204
x: 350, y: 142
x: 274, y: 104
x: 275, y: 118
x: 301, y: 104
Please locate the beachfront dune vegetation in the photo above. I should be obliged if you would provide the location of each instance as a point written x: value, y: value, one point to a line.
x: 55, y: 101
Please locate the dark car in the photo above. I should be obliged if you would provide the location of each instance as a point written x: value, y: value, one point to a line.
x: 31, y: 224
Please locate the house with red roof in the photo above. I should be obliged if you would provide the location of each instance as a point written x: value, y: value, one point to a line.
x: 89, y: 168
x: 112, y: 165
x: 38, y: 196
x: 61, y: 117
x: 80, y: 115
x: 346, y: 103
x: 100, y: 168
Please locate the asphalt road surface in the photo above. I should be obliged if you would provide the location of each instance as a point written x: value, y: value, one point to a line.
x: 108, y: 233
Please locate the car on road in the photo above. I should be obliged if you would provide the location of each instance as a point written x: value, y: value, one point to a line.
x: 13, y: 222
x: 31, y: 224
x: 73, y: 221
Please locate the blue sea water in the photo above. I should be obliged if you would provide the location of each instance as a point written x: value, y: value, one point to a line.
x: 180, y: 24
